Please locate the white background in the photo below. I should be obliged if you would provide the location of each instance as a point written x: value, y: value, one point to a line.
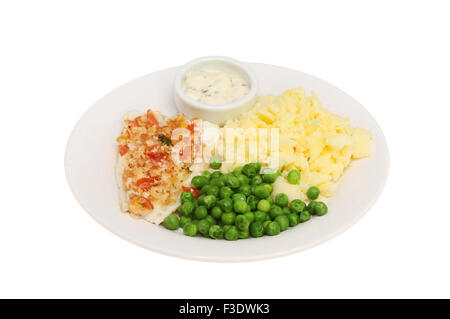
x: 58, y: 57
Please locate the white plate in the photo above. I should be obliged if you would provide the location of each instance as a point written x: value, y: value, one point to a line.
x: 91, y: 154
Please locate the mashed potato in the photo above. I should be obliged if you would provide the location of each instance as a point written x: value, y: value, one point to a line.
x: 313, y: 140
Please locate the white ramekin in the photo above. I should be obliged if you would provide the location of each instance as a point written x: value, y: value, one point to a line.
x: 217, y: 114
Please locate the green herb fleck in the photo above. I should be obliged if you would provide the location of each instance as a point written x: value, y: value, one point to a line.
x: 165, y: 140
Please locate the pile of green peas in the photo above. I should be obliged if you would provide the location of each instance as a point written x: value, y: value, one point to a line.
x: 240, y: 204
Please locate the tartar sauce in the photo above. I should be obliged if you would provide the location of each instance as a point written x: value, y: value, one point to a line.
x: 214, y: 87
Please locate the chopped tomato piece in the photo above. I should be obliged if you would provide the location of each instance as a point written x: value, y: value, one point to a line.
x: 145, y: 183
x: 134, y: 122
x: 191, y: 127
x: 151, y: 119
x: 186, y: 189
x: 144, y: 202
x: 194, y: 191
x: 123, y: 149
x: 155, y: 153
x: 157, y: 156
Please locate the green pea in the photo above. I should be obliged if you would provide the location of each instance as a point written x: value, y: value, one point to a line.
x: 216, y: 174
x: 224, y: 177
x: 216, y: 212
x: 294, y: 219
x: 282, y: 200
x: 243, y: 234
x: 203, y: 226
x: 260, y: 216
x: 261, y: 191
x: 270, y: 199
x: 221, y: 181
x: 242, y: 222
x: 313, y: 192
x: 257, y: 229
x: 213, y: 182
x: 207, y: 175
x: 187, y: 197
x: 304, y: 216
x: 232, y: 181
x: 210, y: 201
x: 226, y: 205
x: 286, y: 210
x: 263, y: 205
x: 245, y: 189
x: 293, y: 177
x: 198, y: 182
x: 243, y: 180
x: 185, y: 220
x: 283, y: 221
x: 252, y: 202
x: 216, y: 232
x: 240, y: 206
x: 231, y: 233
x: 216, y: 182
x: 269, y: 178
x: 310, y: 207
x: 268, y: 187
x: 297, y: 206
x: 200, y: 212
x: 249, y: 170
x: 213, y: 190
x: 211, y: 220
x: 256, y: 180
x: 171, y: 222
x: 190, y: 229
x: 275, y: 211
x: 226, y: 227
x: 320, y: 208
x: 237, y: 171
x: 250, y: 216
x: 237, y: 196
x: 205, y: 189
x: 215, y: 162
x: 272, y: 229
x: 228, y: 218
x: 195, y: 222
x: 256, y: 166
x: 201, y: 199
x: 186, y: 208
x: 225, y: 192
